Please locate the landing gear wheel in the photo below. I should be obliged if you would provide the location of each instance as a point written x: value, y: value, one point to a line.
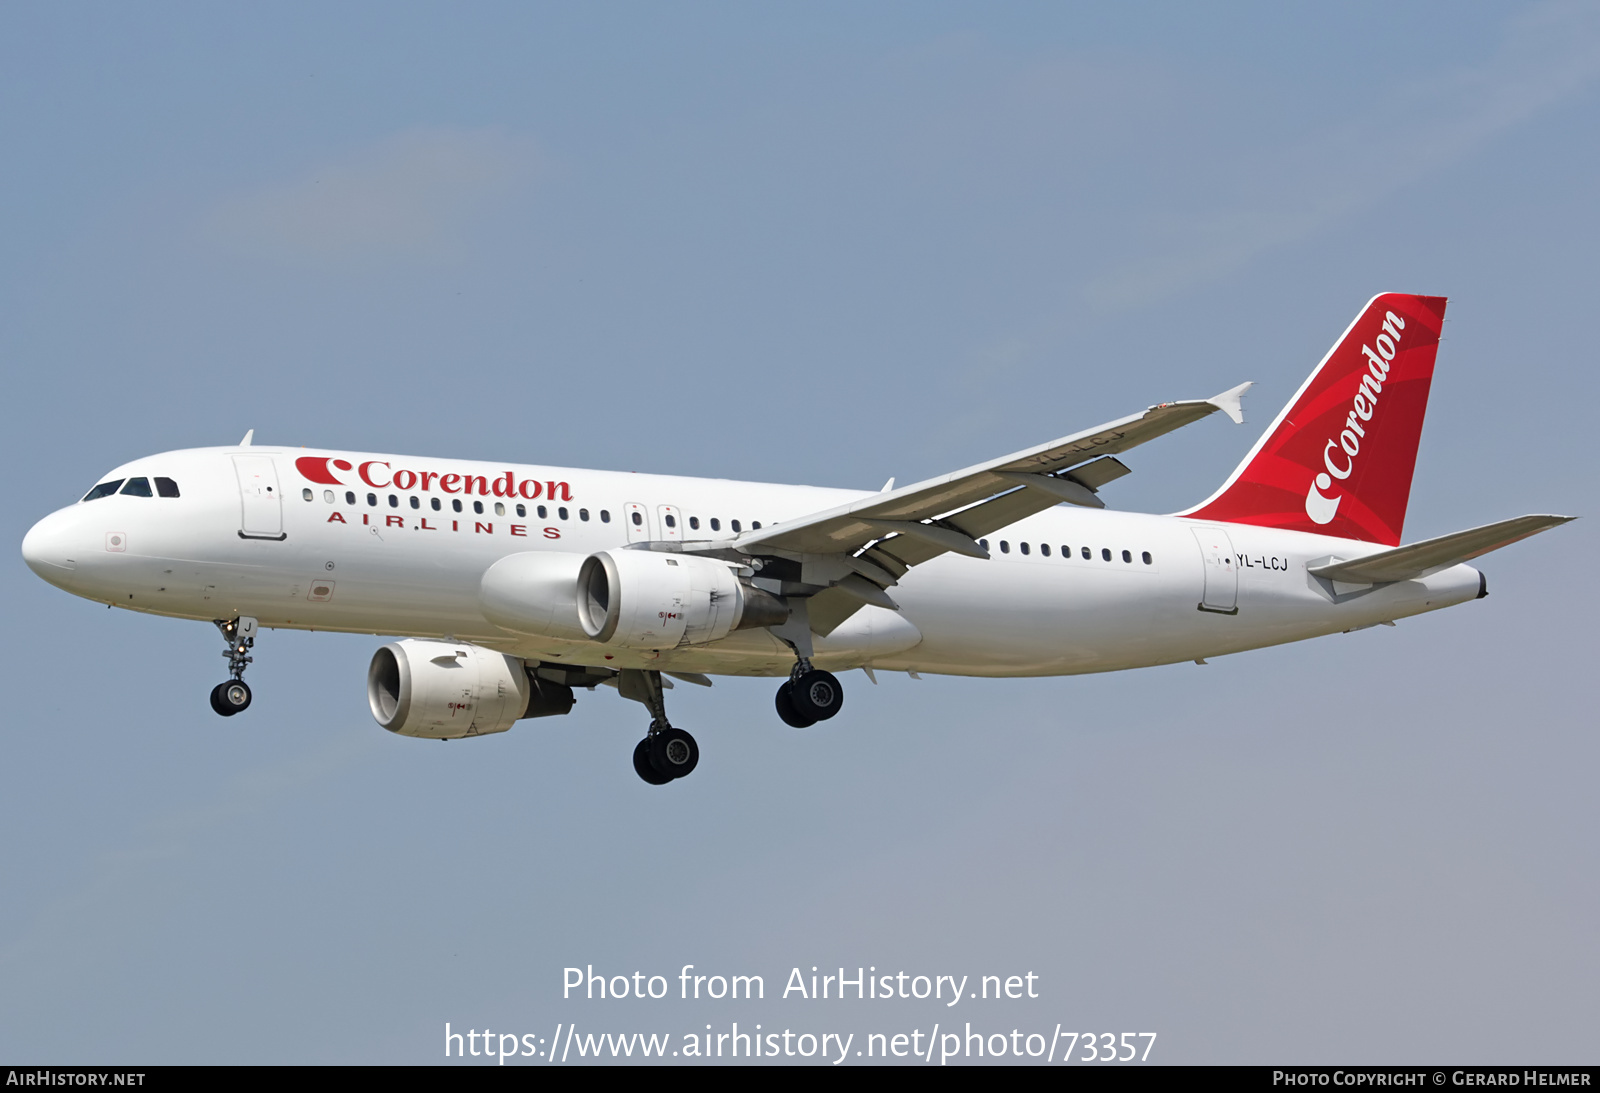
x: 786, y: 710
x: 673, y: 752
x: 642, y: 767
x: 231, y: 697
x: 816, y: 695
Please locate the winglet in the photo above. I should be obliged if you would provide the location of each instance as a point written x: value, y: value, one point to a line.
x: 248, y: 437
x: 1229, y: 402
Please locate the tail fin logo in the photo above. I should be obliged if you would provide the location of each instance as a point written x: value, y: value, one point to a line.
x: 1338, y: 459
x: 1321, y: 509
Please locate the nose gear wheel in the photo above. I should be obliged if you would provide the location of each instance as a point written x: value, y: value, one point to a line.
x: 234, y: 696
x: 231, y: 697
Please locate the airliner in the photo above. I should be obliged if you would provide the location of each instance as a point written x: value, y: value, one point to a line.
x: 513, y: 586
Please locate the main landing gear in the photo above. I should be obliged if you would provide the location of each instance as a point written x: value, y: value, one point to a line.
x: 233, y: 696
x: 809, y: 696
x: 665, y: 753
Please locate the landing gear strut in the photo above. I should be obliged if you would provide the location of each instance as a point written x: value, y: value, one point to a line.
x: 666, y: 752
x: 810, y: 695
x: 233, y: 696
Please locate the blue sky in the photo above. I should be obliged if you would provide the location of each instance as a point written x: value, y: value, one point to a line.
x: 824, y: 244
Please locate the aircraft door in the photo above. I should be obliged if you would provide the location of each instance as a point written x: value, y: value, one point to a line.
x: 1221, y: 573
x: 671, y: 521
x: 261, y: 501
x: 637, y: 519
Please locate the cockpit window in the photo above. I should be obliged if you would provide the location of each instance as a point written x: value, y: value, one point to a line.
x: 137, y: 487
x: 166, y: 487
x: 104, y: 489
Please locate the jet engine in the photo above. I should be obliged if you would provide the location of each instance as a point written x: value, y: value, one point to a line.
x: 645, y: 599
x: 442, y: 690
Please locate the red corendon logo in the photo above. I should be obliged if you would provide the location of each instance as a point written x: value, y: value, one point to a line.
x: 315, y: 468
x: 1321, y: 508
x: 378, y: 474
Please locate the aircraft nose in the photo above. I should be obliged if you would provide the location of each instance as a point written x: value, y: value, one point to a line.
x: 45, y: 547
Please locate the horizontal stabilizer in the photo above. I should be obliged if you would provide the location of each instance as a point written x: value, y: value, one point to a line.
x: 1431, y: 555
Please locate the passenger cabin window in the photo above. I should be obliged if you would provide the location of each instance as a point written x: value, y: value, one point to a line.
x: 394, y: 502
x: 638, y: 521
x: 349, y: 495
x: 416, y: 502
x: 1106, y: 554
x: 716, y: 525
x: 694, y: 523
x: 522, y: 510
x: 672, y: 521
x: 372, y: 499
x: 327, y: 495
x: 477, y: 507
x: 1086, y: 554
x: 1044, y: 548
x: 543, y: 512
x: 1146, y: 557
x: 1127, y: 555
x: 455, y: 504
x: 734, y: 524
x: 605, y: 516
x: 583, y: 514
x: 306, y: 493
x: 499, y: 509
x: 755, y: 525
x: 1023, y: 547
x: 562, y: 512
x: 436, y: 504
x: 137, y: 487
x: 104, y: 489
x: 1005, y: 547
x: 166, y: 487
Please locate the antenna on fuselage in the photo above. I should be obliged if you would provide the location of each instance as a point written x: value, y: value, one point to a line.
x: 248, y: 437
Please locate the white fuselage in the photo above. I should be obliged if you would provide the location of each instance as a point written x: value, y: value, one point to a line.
x: 243, y: 539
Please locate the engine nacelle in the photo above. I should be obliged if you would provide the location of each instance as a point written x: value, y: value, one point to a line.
x: 534, y: 593
x: 445, y: 689
x: 645, y: 599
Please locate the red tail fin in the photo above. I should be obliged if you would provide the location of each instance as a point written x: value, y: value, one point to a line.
x: 1338, y: 460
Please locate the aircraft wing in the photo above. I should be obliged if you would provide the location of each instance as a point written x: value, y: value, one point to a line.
x: 863, y: 547
x: 1431, y: 555
x: 988, y: 495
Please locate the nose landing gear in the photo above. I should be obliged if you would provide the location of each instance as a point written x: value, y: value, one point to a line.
x: 233, y: 696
